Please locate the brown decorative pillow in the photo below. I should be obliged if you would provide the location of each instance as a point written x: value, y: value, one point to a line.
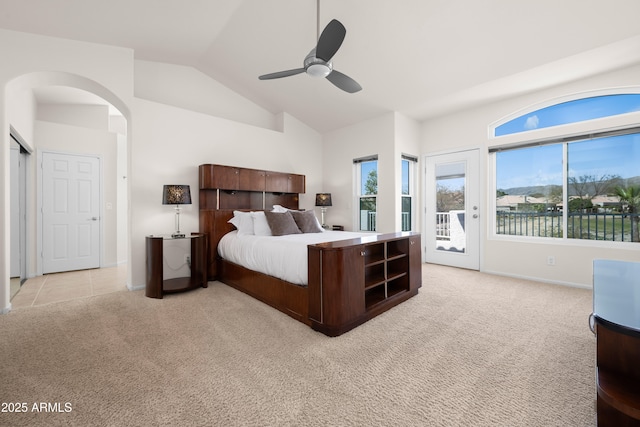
x: 281, y: 223
x: 306, y: 221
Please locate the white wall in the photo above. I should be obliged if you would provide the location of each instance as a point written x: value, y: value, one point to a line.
x: 389, y: 136
x: 469, y: 129
x: 171, y: 142
x: 340, y: 147
x: 193, y: 90
x: 122, y: 191
x: 21, y: 112
x: 89, y: 116
x: 407, y: 141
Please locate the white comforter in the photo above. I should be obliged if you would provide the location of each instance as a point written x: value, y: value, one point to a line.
x: 284, y: 257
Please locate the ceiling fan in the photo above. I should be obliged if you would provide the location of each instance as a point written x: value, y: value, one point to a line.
x: 318, y: 62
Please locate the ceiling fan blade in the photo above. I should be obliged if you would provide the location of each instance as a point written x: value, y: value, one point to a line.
x: 344, y: 82
x: 330, y: 40
x: 281, y: 74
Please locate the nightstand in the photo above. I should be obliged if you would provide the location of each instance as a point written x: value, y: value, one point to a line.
x: 156, y: 285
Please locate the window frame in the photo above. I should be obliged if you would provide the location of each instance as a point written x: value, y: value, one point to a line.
x: 606, y: 126
x: 412, y: 166
x: 358, y: 196
x: 574, y: 128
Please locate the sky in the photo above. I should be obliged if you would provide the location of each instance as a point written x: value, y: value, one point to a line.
x: 366, y: 168
x: 571, y: 112
x: 542, y: 165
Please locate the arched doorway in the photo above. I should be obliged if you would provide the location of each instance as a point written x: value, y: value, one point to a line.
x: 65, y: 92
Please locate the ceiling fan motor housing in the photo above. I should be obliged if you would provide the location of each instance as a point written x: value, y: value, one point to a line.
x: 316, y: 67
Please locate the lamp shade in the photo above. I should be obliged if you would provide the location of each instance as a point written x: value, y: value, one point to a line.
x: 323, y: 199
x: 176, y: 195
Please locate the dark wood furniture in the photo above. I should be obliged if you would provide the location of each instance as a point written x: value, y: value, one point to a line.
x: 349, y: 282
x: 156, y: 285
x: 352, y: 281
x: 234, y: 188
x: 618, y: 375
x: 616, y: 321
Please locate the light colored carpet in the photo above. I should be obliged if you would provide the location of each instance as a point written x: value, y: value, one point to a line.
x: 470, y: 350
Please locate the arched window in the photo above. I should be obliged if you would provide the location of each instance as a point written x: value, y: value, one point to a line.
x: 584, y: 186
x: 577, y: 110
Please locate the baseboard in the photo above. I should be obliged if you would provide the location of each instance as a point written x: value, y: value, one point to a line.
x: 538, y: 279
x: 135, y: 287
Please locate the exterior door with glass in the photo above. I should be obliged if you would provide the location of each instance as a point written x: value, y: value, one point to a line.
x: 452, y: 234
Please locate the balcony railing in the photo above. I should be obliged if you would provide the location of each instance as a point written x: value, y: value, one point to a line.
x: 406, y: 221
x: 367, y: 220
x: 443, y: 226
x: 619, y: 227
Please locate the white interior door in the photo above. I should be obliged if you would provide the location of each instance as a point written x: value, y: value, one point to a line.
x: 70, y: 212
x: 452, y: 234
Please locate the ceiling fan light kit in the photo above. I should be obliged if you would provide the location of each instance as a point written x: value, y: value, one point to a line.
x: 318, y: 62
x: 316, y: 67
x: 318, y: 70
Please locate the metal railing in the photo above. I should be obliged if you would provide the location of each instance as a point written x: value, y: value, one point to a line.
x: 619, y: 227
x: 443, y: 226
x: 406, y: 221
x: 367, y: 220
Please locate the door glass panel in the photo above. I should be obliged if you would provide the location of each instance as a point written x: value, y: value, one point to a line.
x: 450, y: 207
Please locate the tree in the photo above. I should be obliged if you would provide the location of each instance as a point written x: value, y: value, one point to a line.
x: 371, y: 185
x: 590, y: 186
x: 579, y: 204
x: 448, y: 199
x: 631, y: 197
x: 586, y: 187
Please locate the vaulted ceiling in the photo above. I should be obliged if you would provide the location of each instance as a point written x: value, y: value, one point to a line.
x: 422, y: 58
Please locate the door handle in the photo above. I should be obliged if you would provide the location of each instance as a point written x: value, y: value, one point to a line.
x: 475, y: 215
x: 94, y: 218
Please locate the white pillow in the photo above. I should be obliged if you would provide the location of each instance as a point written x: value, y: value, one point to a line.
x: 243, y: 222
x: 260, y: 224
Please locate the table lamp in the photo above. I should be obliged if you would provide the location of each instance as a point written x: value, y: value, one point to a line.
x: 176, y: 195
x: 323, y: 200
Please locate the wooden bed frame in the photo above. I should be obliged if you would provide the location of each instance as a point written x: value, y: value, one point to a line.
x: 349, y: 282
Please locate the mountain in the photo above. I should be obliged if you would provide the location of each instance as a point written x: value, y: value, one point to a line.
x: 588, y: 188
x: 535, y: 189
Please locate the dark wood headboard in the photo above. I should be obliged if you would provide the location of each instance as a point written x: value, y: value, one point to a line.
x: 223, y: 189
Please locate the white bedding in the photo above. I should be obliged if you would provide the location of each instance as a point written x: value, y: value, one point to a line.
x: 284, y: 257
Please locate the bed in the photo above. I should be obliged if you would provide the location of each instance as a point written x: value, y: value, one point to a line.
x: 349, y: 279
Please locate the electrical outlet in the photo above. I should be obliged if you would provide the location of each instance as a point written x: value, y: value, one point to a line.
x: 551, y: 260
x: 187, y: 259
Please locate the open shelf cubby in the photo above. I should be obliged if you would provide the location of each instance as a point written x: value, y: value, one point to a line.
x: 386, y: 265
